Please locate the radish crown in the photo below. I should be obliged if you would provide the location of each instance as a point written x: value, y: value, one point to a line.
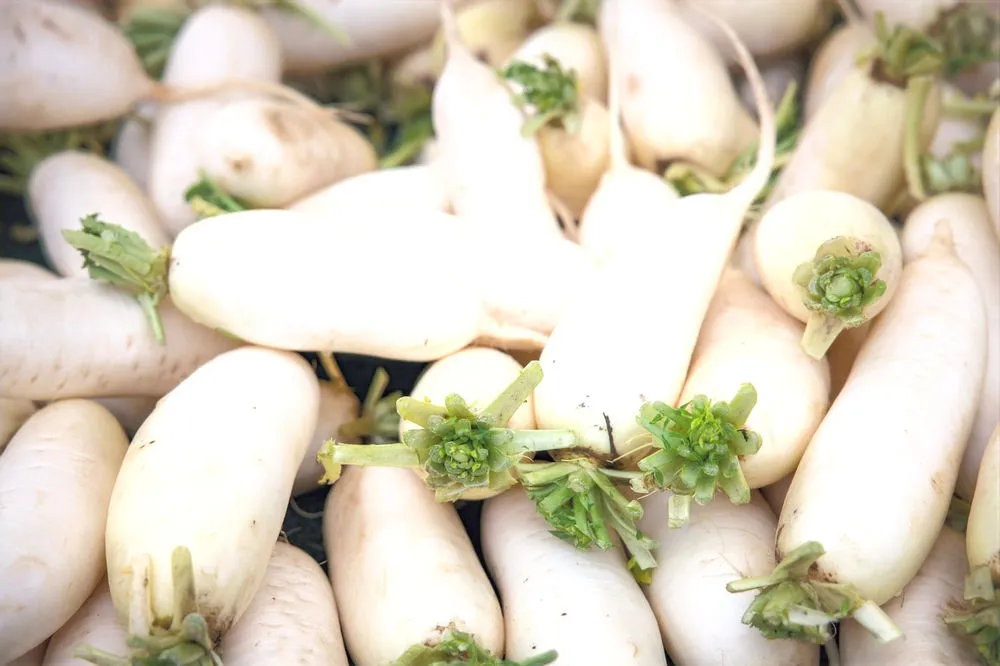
x: 790, y: 605
x: 579, y: 500
x: 979, y: 617
x: 699, y: 447
x: 459, y: 648
x: 121, y: 257
x: 208, y: 199
x: 546, y: 95
x: 837, y: 286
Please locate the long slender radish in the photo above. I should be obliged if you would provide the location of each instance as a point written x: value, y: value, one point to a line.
x: 969, y: 219
x: 494, y: 176
x: 838, y: 271
x: 917, y: 612
x: 577, y: 47
x: 338, y: 406
x: 833, y: 60
x: 130, y: 147
x: 292, y: 619
x: 249, y: 413
x: 585, y: 605
x: 699, y: 620
x: 71, y: 185
x: 600, y: 401
x: 389, y: 602
x: 403, y: 188
x: 911, y: 387
x: 656, y: 52
x: 293, y: 152
x: 96, y: 343
x: 58, y: 471
x: 199, y: 57
x: 24, y: 271
x: 96, y: 624
x: 991, y: 169
x: 746, y: 338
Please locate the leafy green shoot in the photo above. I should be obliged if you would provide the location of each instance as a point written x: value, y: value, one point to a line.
x: 582, y: 504
x: 698, y: 450
x: 978, y: 618
x: 122, y: 258
x: 547, y: 95
x: 152, y: 31
x: 207, y: 199
x: 901, y: 53
x: 458, y: 648
x: 791, y: 605
x: 969, y: 35
x: 21, y: 152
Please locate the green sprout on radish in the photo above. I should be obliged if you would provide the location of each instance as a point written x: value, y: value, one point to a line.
x: 699, y: 447
x: 458, y: 648
x: 837, y: 285
x: 979, y: 617
x: 791, y: 605
x: 208, y: 199
x: 969, y: 35
x: 185, y: 640
x: 458, y: 448
x: 546, y: 95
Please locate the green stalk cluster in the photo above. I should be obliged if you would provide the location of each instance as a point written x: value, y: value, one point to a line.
x: 841, y: 281
x: 458, y: 648
x: 978, y: 618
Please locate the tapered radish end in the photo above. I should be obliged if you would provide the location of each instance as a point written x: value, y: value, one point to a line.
x: 791, y: 605
x: 546, y: 95
x: 978, y: 617
x: 837, y: 285
x: 122, y: 258
x: 698, y: 448
x: 208, y: 199
x: 453, y: 646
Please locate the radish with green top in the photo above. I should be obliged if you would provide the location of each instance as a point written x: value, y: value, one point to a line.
x: 991, y: 169
x: 917, y: 612
x: 655, y: 51
x: 71, y: 185
x: 895, y: 435
x: 403, y: 188
x: 837, y: 271
x: 338, y: 407
x: 833, y: 61
x: 250, y: 412
x: 402, y: 567
x: 975, y: 245
x: 584, y: 605
x: 699, y: 620
x: 292, y: 619
x: 95, y: 624
x: 578, y: 47
x: 58, y: 470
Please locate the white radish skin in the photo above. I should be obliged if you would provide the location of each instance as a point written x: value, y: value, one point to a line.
x: 776, y: 492
x: 19, y: 270
x: 96, y: 342
x: 269, y: 153
x: 747, y: 338
x: 131, y: 146
x: 969, y: 219
x: 198, y: 57
x: 292, y: 620
x: 842, y: 354
x: 402, y: 188
x: 59, y: 471
x: 917, y: 612
x: 251, y: 413
x: 51, y: 52
x: 576, y: 46
x: 96, y: 624
x: 700, y: 621
x: 337, y: 406
x: 33, y: 658
x: 982, y: 538
x: 783, y: 242
x: 491, y: 30
x: 494, y: 176
x: 656, y: 52
x: 584, y: 604
x: 769, y: 28
x: 13, y: 413
x: 835, y: 58
x: 991, y: 170
x: 130, y: 411
x: 402, y: 567
x: 912, y: 388
x: 70, y: 185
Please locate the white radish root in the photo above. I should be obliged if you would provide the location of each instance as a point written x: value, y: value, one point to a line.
x: 982, y: 536
x: 404, y: 188
x: 96, y: 624
x: 130, y: 411
x: 13, y: 413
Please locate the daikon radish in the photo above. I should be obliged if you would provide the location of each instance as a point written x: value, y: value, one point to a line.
x: 20, y: 270
x: 917, y: 612
x: 577, y: 47
x: 292, y: 619
x: 490, y: 29
x: 769, y: 28
x: 96, y: 624
x: 677, y: 100
x: 402, y: 567
x: 911, y: 387
x: 58, y: 471
x: 699, y: 620
x: 600, y: 401
x: 493, y: 174
x: 338, y: 406
x: 71, y: 185
x: 991, y: 169
x: 268, y: 153
x: 249, y: 413
x: 96, y: 342
x: 250, y: 51
x: 130, y: 411
x: 969, y: 219
x: 834, y: 59
x: 838, y: 271
x: 404, y: 188
x: 584, y: 605
x: 130, y: 148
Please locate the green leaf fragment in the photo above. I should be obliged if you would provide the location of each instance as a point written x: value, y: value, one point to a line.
x: 458, y: 648
x: 547, y: 95
x: 208, y: 199
x: 841, y: 281
x: 978, y: 618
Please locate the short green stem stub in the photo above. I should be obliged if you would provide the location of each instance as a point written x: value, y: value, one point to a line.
x: 978, y: 618
x: 207, y: 199
x: 452, y: 647
x: 547, y: 94
x: 698, y: 449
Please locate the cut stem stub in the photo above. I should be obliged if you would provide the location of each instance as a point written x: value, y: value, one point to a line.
x: 979, y: 617
x: 461, y: 649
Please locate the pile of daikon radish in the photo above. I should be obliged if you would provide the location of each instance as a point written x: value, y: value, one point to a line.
x: 708, y: 293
